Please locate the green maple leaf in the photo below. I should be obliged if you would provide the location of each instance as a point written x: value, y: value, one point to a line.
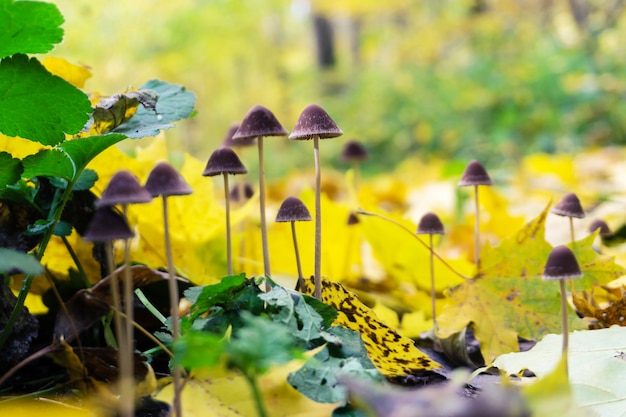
x: 37, y: 105
x: 509, y: 298
x: 29, y: 27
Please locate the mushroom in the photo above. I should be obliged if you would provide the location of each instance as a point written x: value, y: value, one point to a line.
x: 106, y: 226
x: 225, y: 161
x: 562, y: 265
x: 124, y: 189
x: 354, y: 152
x: 164, y: 181
x: 569, y: 206
x: 430, y: 225
x: 314, y: 123
x: 258, y: 123
x: 293, y: 210
x: 241, y: 192
x: 604, y: 231
x: 475, y: 174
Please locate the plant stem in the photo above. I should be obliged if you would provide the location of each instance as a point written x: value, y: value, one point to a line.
x: 256, y: 393
x: 126, y: 350
x: 564, y: 325
x: 173, y: 290
x: 229, y: 249
x: 477, y: 230
x: 318, y: 221
x: 74, y: 257
x: 266, y: 251
x: 295, y: 248
x: 403, y: 227
x: 432, y: 279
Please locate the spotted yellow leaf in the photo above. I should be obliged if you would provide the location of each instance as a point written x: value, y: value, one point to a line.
x: 393, y: 354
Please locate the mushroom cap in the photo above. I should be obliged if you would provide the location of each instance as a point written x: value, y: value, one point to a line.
x: 314, y: 121
x: 475, y: 174
x: 600, y: 224
x: 246, y: 189
x: 354, y: 150
x: 353, y: 219
x: 293, y: 210
x: 259, y: 121
x: 107, y: 225
x: 224, y: 161
x: 165, y: 180
x: 569, y: 206
x: 123, y: 188
x: 561, y: 264
x: 239, y: 143
x: 430, y: 224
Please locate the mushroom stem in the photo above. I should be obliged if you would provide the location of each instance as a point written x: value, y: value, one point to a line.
x: 295, y: 248
x: 477, y: 230
x: 564, y: 324
x: 229, y: 250
x: 126, y: 401
x: 571, y: 229
x: 173, y: 290
x: 432, y: 279
x: 266, y: 251
x: 318, y: 221
x: 127, y: 347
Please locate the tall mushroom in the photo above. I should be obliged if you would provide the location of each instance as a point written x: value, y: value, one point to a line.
x: 124, y: 189
x: 225, y: 161
x: 562, y: 265
x: 475, y: 174
x: 570, y: 207
x: 164, y: 181
x: 430, y: 224
x: 105, y: 227
x: 354, y: 152
x: 314, y: 123
x: 293, y: 210
x: 258, y: 123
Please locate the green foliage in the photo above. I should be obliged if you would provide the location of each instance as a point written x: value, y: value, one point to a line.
x: 29, y: 27
x: 10, y: 169
x: 37, y: 105
x: 11, y: 260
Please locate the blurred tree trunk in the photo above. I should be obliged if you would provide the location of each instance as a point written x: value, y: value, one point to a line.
x: 325, y: 41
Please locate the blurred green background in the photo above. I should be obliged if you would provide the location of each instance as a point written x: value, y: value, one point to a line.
x: 459, y: 79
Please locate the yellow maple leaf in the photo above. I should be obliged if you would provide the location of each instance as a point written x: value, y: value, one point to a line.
x: 72, y: 73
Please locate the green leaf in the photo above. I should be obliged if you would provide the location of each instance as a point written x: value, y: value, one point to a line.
x: 49, y: 163
x: 39, y: 227
x: 11, y: 260
x: 83, y: 150
x: 174, y: 103
x: 10, y: 169
x: 63, y: 228
x: 85, y: 181
x: 318, y: 378
x: 37, y: 105
x: 198, y: 350
x: 29, y: 27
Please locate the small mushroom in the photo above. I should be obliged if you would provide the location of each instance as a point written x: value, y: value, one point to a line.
x: 258, y: 123
x: 314, y: 123
x: 237, y: 144
x: 106, y: 226
x: 562, y: 265
x: 599, y: 224
x: 241, y: 192
x: 293, y: 210
x: 164, y: 181
x: 569, y: 206
x: 354, y: 152
x: 124, y: 189
x: 352, y: 221
x: 225, y: 161
x: 475, y: 174
x: 430, y: 225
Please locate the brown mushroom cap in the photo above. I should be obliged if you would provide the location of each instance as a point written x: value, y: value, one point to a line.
x: 354, y: 151
x: 239, y: 143
x: 430, y: 224
x: 224, y: 161
x: 259, y: 121
x: 241, y: 192
x: 165, y: 180
x: 353, y: 219
x: 314, y: 121
x: 293, y: 210
x: 107, y: 225
x: 123, y: 188
x: 600, y: 224
x: 475, y: 174
x: 569, y: 206
x: 561, y: 264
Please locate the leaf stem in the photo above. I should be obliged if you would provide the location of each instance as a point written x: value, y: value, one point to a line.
x: 256, y: 393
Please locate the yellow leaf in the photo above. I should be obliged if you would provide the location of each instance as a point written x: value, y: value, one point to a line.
x: 392, y: 354
x: 72, y: 73
x: 45, y: 407
x: 19, y: 147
